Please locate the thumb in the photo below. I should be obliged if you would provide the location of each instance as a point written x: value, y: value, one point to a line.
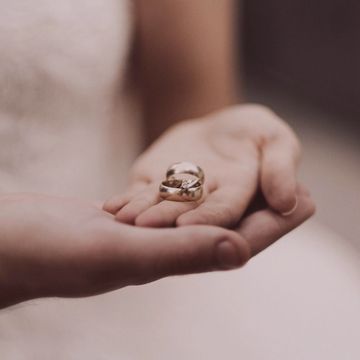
x: 189, y: 249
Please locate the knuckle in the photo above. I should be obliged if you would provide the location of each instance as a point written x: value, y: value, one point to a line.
x: 216, y: 215
x: 284, y: 202
x: 222, y: 214
x: 192, y: 232
x: 280, y: 198
x: 228, y: 214
x: 273, y: 125
x: 244, y: 250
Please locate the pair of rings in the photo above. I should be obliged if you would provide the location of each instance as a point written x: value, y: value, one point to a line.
x: 184, y: 182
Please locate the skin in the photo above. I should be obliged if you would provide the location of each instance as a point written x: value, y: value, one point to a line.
x: 183, y: 76
x: 51, y: 246
x: 180, y: 74
x: 79, y: 250
x: 239, y: 149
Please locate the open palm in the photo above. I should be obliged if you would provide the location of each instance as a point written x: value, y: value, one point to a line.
x: 239, y: 149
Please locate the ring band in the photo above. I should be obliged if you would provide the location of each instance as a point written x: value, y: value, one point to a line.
x: 186, y: 167
x: 184, y: 182
x: 169, y: 191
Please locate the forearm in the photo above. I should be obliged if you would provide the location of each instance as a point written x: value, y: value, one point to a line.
x: 166, y: 108
x: 191, y: 68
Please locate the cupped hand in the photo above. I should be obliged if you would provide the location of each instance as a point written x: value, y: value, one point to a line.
x: 241, y: 150
x: 53, y: 246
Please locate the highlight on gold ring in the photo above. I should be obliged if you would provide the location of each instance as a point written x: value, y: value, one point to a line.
x: 184, y: 182
x: 186, y: 167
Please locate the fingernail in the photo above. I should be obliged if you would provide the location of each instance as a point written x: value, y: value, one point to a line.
x: 227, y: 255
x: 288, y: 213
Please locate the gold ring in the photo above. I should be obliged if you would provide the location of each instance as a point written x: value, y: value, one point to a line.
x: 184, y: 182
x: 185, y: 167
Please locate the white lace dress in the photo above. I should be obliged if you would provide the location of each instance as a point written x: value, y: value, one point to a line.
x: 68, y: 126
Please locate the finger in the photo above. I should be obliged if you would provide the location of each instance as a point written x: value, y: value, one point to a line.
x: 224, y: 207
x: 186, y: 250
x: 264, y: 227
x: 280, y: 158
x: 139, y: 203
x: 114, y: 204
x: 165, y: 213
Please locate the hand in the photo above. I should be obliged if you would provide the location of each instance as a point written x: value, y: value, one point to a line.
x: 52, y: 246
x: 64, y: 247
x: 241, y: 149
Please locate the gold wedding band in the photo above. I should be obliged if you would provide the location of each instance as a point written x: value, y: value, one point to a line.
x: 184, y: 182
x: 185, y: 167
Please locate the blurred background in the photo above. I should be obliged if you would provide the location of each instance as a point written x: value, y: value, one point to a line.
x: 302, y: 58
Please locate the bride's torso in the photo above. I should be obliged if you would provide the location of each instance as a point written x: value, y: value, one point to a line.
x: 66, y: 120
